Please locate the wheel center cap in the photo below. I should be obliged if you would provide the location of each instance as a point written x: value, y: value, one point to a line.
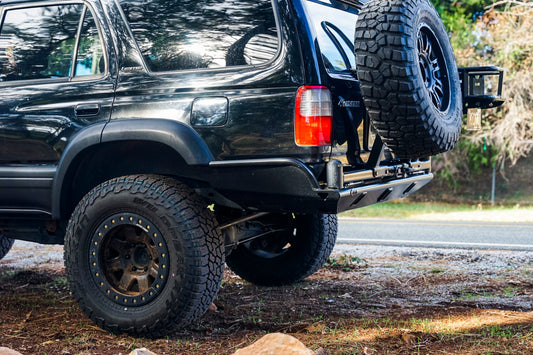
x: 141, y: 257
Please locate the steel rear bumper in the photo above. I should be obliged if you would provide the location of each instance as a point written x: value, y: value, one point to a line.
x: 288, y: 185
x: 380, y: 192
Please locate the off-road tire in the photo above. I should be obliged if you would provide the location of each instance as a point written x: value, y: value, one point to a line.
x: 134, y: 228
x: 5, y: 245
x: 408, y: 75
x: 311, y: 239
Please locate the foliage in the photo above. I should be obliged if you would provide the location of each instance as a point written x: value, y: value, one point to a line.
x: 459, y: 17
x: 506, y: 40
x: 345, y: 262
x: 493, y: 33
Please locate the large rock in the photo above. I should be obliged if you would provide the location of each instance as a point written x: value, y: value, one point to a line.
x: 8, y: 351
x: 276, y: 344
x: 142, y: 351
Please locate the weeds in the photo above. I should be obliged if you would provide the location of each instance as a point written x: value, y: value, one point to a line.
x: 346, y: 263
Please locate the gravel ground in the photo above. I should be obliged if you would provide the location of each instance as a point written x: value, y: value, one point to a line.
x: 434, y: 276
x: 419, y: 276
x: 407, y: 260
x: 452, y: 299
x: 33, y: 255
x: 27, y: 255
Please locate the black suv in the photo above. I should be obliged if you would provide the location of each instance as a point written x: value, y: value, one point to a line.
x: 160, y: 139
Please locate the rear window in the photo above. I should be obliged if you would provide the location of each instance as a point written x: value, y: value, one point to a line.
x: 185, y: 34
x: 335, y: 29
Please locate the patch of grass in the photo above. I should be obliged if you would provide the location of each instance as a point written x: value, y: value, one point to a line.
x: 437, y: 271
x: 511, y: 291
x: 400, y: 209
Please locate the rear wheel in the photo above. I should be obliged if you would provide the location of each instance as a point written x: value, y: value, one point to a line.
x: 408, y: 75
x: 5, y: 245
x: 143, y: 255
x: 287, y: 256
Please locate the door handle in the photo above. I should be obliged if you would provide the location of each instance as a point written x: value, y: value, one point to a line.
x: 87, y: 110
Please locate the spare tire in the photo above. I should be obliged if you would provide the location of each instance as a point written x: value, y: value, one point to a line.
x: 409, y: 78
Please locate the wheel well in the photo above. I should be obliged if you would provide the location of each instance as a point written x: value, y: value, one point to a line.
x: 109, y: 160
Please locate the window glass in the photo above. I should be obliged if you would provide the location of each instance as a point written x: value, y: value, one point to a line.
x: 186, y: 34
x: 38, y: 42
x: 90, y: 58
x: 320, y: 15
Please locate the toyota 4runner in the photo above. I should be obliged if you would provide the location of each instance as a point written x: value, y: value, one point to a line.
x: 162, y: 139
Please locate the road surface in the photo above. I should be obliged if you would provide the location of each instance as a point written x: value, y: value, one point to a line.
x: 451, y: 234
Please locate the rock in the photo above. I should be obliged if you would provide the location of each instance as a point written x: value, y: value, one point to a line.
x: 8, y: 351
x: 276, y: 344
x: 142, y: 351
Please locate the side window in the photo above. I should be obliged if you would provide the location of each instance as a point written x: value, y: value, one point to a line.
x: 90, y: 57
x: 38, y: 42
x: 191, y: 34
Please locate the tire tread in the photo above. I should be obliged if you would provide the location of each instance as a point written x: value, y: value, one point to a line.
x: 205, y: 251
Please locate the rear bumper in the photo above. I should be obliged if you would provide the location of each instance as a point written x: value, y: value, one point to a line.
x: 371, y: 194
x: 288, y: 185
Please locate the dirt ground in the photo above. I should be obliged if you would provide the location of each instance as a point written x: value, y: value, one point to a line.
x: 366, y: 300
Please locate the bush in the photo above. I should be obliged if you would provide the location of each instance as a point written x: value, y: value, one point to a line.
x: 486, y: 33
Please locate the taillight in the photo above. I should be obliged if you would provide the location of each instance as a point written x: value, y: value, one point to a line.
x: 313, y: 116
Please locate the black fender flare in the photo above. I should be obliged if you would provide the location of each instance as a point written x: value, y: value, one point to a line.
x: 177, y: 135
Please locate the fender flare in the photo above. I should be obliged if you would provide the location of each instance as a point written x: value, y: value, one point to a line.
x: 178, y: 136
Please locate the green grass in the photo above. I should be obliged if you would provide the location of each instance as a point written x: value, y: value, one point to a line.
x: 405, y: 210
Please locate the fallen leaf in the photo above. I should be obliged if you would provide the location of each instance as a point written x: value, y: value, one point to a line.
x: 408, y: 338
x: 315, y: 328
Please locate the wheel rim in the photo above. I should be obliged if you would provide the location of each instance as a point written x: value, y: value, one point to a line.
x: 129, y: 259
x: 433, y: 68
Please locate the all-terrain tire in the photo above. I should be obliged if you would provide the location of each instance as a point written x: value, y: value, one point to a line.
x: 143, y: 255
x: 408, y: 75
x: 288, y: 258
x: 5, y: 245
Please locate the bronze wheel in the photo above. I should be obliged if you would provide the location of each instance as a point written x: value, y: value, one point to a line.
x: 129, y: 259
x: 143, y: 255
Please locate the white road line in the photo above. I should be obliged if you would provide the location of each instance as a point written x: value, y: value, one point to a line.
x: 486, y: 245
x: 435, y: 223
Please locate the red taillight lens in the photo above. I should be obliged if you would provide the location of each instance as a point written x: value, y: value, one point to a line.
x: 313, y: 116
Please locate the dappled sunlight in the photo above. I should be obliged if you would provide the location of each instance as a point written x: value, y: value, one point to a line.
x: 458, y: 324
x: 478, y: 319
x: 475, y: 324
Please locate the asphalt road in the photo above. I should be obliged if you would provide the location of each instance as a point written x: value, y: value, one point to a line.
x: 441, y: 234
